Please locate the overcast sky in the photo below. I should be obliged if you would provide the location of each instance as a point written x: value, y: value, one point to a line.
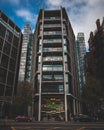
x: 82, y: 13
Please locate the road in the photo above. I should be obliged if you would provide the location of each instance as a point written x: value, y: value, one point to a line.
x: 52, y: 126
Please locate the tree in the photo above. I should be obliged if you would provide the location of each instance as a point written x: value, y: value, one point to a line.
x: 91, y: 93
x: 23, y: 99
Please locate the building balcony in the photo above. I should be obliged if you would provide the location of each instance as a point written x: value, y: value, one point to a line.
x: 52, y: 41
x: 52, y: 33
x: 52, y: 59
x: 52, y: 25
x: 53, y: 86
x: 48, y: 62
x: 53, y: 55
x: 51, y: 45
x: 52, y: 19
x: 52, y: 81
x: 52, y: 49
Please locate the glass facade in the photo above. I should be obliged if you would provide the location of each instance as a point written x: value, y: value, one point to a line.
x: 10, y: 46
x: 81, y: 52
x: 25, y: 62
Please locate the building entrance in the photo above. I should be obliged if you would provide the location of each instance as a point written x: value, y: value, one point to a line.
x: 52, y: 109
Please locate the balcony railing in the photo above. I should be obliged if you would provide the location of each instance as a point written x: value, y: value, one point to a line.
x: 53, y: 33
x: 52, y: 18
x: 52, y: 41
x: 52, y: 59
x: 52, y: 25
x: 52, y: 49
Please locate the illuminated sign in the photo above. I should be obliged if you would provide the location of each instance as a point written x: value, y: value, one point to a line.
x: 52, y: 106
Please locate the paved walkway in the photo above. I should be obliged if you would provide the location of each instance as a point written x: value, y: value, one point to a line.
x: 4, y: 127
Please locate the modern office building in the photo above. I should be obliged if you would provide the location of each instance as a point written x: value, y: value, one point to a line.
x: 24, y: 71
x: 81, y: 52
x: 54, y: 67
x: 29, y: 58
x: 10, y: 48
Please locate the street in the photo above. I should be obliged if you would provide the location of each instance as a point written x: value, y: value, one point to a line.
x: 53, y: 126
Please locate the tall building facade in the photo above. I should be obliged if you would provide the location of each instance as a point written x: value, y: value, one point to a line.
x: 81, y: 52
x: 54, y: 67
x: 24, y: 71
x: 95, y: 58
x: 10, y: 48
x: 29, y: 58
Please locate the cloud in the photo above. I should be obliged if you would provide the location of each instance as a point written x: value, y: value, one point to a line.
x: 82, y: 13
x: 85, y: 20
x: 12, y: 2
x: 27, y: 16
x: 54, y: 2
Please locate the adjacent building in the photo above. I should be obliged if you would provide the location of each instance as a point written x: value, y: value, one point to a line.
x: 95, y: 65
x: 54, y: 67
x: 25, y: 62
x: 81, y: 52
x: 10, y: 48
x: 96, y: 48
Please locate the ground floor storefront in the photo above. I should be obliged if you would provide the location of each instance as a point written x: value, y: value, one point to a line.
x: 55, y: 108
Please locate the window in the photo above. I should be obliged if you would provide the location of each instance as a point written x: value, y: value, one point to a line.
x: 14, y: 53
x: 2, y: 30
x: 1, y: 43
x: 52, y: 58
x: 52, y: 67
x: 53, y: 77
x: 40, y: 41
x: 52, y: 41
x: 2, y: 89
x: 3, y: 74
x: 8, y: 36
x: 7, y: 47
x: 52, y: 88
x: 12, y: 65
x: 4, y: 61
x: 65, y: 42
x: 9, y: 91
x: 15, y: 41
x: 10, y: 78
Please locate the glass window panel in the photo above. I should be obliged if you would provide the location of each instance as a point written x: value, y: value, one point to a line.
x: 4, y: 61
x: 2, y: 89
x: 7, y: 47
x: 2, y: 30
x: 53, y: 67
x: 9, y: 91
x: 10, y: 78
x: 3, y: 74
x: 1, y: 43
x: 67, y: 88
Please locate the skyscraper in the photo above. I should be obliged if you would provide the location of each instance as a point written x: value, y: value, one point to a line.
x: 81, y: 52
x: 54, y: 67
x: 27, y: 41
x: 29, y: 58
x: 10, y: 48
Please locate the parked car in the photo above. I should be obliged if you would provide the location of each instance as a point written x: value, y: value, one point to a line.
x: 23, y: 119
x: 81, y: 117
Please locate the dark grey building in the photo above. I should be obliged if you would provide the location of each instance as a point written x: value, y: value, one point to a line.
x: 54, y: 67
x: 10, y: 45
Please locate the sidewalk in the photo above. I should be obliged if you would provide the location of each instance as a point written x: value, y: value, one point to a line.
x: 4, y: 127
